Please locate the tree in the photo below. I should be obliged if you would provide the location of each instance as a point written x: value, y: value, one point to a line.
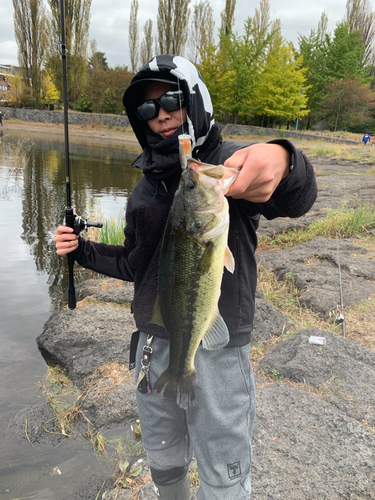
x: 336, y: 56
x: 77, y: 21
x: 244, y: 57
x: 29, y: 26
x: 201, y: 32
x: 50, y: 95
x: 322, y: 26
x: 105, y: 89
x: 280, y: 90
x: 359, y: 16
x: 133, y: 39
x: 347, y: 103
x: 172, y: 25
x: 146, y: 44
x: 227, y: 17
x: 97, y: 59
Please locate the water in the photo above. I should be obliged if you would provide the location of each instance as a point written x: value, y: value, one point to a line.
x: 34, y: 284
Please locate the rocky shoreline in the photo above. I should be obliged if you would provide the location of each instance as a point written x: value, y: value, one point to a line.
x: 314, y: 435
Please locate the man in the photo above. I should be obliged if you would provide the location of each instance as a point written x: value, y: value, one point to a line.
x: 366, y: 138
x: 166, y: 98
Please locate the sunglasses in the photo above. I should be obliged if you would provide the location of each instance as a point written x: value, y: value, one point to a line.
x: 170, y: 101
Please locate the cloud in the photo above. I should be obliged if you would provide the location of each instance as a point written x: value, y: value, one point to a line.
x: 110, y: 22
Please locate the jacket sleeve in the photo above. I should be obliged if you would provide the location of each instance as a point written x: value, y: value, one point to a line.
x: 109, y: 260
x: 295, y: 195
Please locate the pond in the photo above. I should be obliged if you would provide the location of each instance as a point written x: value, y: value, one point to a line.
x: 34, y: 284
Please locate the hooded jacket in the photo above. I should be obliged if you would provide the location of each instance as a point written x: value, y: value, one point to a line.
x: 149, y: 204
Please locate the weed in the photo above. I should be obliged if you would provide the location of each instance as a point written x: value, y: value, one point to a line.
x: 284, y: 295
x: 126, y: 474
x: 276, y: 375
x: 194, y: 476
x: 261, y: 132
x: 323, y: 151
x: 282, y: 133
x: 112, y: 231
x: 345, y: 223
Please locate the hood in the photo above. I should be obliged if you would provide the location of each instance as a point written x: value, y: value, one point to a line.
x: 178, y: 70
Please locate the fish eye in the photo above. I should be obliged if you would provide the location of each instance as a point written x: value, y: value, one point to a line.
x: 190, y: 184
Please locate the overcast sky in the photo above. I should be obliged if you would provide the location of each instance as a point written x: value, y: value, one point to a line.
x: 110, y: 21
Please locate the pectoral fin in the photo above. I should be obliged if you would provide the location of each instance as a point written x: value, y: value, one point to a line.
x: 229, y: 260
x: 207, y: 259
x: 217, y: 336
x: 156, y: 317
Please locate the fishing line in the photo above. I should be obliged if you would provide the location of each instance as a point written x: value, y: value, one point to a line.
x: 179, y: 89
x: 340, y: 314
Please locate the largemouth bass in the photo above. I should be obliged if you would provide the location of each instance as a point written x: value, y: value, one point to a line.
x: 192, y: 259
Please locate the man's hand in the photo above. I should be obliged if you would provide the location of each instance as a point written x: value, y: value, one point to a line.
x: 263, y: 168
x: 66, y: 240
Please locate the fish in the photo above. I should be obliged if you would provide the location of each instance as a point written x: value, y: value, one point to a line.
x: 193, y: 254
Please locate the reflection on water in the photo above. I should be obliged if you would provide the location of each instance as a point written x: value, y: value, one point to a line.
x: 34, y: 282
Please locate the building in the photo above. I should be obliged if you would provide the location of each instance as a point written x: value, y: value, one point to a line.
x: 6, y: 73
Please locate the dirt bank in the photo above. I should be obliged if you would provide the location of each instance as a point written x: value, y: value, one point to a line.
x: 87, y: 133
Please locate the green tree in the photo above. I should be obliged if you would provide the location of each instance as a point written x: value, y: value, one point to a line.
x: 29, y: 26
x: 244, y: 56
x: 343, y: 54
x: 97, y: 59
x: 327, y: 58
x: 280, y: 90
x: 77, y: 21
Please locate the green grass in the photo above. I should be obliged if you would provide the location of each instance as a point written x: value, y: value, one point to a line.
x: 112, y: 232
x: 323, y: 151
x: 345, y: 223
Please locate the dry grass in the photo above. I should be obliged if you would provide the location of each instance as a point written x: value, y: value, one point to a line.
x: 66, y: 399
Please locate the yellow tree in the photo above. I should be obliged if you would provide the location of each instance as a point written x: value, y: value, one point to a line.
x: 50, y: 94
x: 280, y: 93
x: 17, y: 89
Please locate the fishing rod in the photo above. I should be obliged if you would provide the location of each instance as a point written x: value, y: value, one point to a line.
x: 71, y: 219
x: 340, y: 318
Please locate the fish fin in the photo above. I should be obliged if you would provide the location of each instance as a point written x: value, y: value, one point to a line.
x: 183, y: 390
x: 206, y: 261
x: 156, y: 317
x: 217, y: 336
x: 229, y: 260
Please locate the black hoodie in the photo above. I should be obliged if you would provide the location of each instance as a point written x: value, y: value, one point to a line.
x: 149, y: 204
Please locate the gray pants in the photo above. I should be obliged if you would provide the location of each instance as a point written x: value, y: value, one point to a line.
x: 218, y: 427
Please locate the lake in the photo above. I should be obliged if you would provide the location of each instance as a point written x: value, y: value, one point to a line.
x: 34, y: 284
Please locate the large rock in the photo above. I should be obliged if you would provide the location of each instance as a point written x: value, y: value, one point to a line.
x: 343, y: 371
x: 107, y: 290
x: 304, y: 448
x: 268, y: 321
x: 84, y: 339
x: 314, y: 266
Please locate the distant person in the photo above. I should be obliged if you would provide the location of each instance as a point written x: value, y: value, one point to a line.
x: 366, y: 139
x: 1, y: 118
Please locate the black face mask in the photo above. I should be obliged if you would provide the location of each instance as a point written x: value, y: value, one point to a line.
x: 170, y: 101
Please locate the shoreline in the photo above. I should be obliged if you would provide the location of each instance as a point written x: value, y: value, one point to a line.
x: 77, y: 133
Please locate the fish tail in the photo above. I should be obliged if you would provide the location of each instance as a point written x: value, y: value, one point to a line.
x: 182, y: 389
